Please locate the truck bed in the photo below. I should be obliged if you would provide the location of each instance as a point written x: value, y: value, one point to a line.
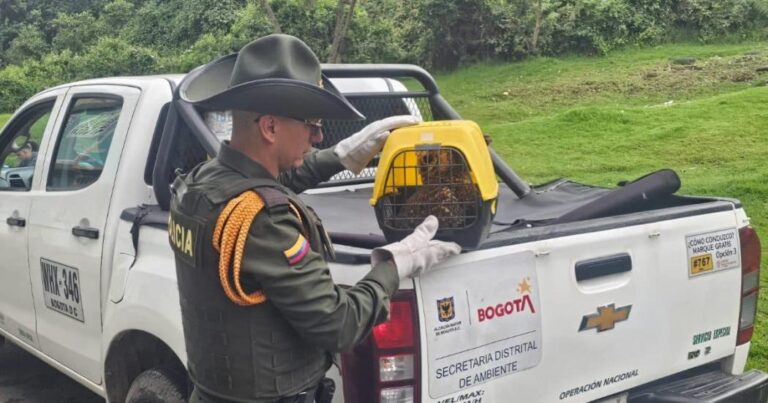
x: 347, y: 215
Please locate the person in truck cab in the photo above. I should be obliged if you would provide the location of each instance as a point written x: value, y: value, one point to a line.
x: 262, y: 316
x: 26, y: 154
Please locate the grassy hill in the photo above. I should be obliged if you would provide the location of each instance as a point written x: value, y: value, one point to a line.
x: 602, y: 120
x: 701, y: 110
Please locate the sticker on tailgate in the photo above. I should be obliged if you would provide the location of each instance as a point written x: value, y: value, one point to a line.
x: 713, y: 251
x: 61, y: 289
x: 483, y: 321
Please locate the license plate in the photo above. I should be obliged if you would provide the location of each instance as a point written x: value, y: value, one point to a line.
x: 61, y: 289
x: 701, y: 264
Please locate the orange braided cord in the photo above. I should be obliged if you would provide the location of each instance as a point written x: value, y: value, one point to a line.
x: 253, y: 205
x: 230, y: 236
x: 223, y: 217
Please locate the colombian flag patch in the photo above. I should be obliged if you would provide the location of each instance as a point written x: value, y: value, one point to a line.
x: 295, y: 253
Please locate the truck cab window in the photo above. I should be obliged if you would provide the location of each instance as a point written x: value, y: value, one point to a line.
x: 84, y: 143
x: 20, y: 145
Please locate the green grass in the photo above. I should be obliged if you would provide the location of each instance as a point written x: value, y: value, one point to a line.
x: 502, y: 93
x: 4, y: 118
x: 602, y: 120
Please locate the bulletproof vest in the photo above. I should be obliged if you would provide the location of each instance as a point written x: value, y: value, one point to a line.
x: 234, y: 352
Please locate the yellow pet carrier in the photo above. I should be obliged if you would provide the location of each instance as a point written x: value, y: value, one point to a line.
x: 436, y: 168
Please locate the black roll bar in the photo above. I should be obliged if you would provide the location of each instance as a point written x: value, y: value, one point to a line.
x: 440, y: 107
x: 382, y: 70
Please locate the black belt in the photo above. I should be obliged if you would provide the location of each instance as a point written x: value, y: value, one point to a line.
x: 308, y: 396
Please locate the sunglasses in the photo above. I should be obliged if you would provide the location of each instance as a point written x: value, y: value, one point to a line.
x: 315, y: 125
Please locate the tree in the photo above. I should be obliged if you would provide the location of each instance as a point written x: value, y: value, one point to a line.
x: 75, y: 31
x: 271, y: 14
x: 29, y: 44
x: 343, y: 17
x: 539, y: 10
x: 115, y: 14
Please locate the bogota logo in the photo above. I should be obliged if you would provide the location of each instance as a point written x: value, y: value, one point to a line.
x: 512, y: 306
x: 445, y: 310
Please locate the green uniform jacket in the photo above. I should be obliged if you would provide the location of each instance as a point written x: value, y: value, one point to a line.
x: 289, y: 340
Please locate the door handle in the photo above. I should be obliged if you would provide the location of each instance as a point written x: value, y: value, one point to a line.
x: 85, y: 232
x: 16, y: 221
x: 603, y: 266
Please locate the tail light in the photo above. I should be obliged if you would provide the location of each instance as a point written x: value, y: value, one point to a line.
x: 750, y: 282
x: 386, y: 367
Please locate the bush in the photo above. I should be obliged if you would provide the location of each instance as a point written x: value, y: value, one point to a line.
x: 207, y: 48
x: 709, y: 20
x: 515, y: 24
x: 171, y: 25
x: 29, y: 44
x: 75, y: 31
x: 457, y: 31
x: 115, y: 57
x: 52, y: 42
x: 15, y: 88
x: 591, y: 26
x: 250, y: 23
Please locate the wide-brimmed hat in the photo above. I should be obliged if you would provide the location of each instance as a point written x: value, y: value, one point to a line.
x: 277, y: 74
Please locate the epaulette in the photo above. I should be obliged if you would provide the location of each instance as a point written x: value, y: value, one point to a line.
x: 231, y: 233
x: 272, y: 197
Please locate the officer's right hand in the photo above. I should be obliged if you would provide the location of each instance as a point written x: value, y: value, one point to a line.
x: 418, y: 252
x: 357, y: 150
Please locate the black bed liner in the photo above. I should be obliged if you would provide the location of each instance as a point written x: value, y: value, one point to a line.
x: 348, y: 214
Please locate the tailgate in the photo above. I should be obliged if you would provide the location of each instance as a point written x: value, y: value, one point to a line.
x: 581, y: 317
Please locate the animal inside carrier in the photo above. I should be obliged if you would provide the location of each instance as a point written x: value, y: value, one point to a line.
x: 436, y: 168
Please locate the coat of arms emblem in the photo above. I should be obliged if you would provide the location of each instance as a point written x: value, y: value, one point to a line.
x: 445, y: 311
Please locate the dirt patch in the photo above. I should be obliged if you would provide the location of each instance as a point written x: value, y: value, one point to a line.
x: 707, y: 72
x: 645, y: 82
x: 675, y: 79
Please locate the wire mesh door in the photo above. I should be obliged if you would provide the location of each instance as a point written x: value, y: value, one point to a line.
x: 430, y: 180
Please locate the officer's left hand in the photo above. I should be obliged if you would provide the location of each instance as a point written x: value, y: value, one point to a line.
x: 357, y: 150
x: 418, y: 252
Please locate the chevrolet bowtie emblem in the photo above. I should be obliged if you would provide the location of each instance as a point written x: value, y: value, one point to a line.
x: 605, y: 318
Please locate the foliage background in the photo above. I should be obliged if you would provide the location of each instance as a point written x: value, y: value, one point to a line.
x: 43, y: 42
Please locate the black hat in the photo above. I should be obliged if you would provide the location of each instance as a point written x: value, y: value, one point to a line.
x: 277, y: 74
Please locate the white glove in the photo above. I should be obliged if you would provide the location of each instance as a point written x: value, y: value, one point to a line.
x: 418, y: 252
x: 357, y: 150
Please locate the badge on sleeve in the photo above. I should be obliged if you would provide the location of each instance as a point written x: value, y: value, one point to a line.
x: 295, y: 253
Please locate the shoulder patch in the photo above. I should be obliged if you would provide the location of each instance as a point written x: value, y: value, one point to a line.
x: 298, y: 251
x: 272, y: 197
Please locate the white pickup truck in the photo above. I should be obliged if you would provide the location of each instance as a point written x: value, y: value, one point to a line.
x: 579, y: 293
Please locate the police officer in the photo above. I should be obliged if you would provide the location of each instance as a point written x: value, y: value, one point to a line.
x: 262, y: 316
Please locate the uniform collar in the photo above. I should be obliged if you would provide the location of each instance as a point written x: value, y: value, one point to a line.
x: 241, y: 163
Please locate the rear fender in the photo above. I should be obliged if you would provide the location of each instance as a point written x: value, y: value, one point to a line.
x: 148, y: 318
